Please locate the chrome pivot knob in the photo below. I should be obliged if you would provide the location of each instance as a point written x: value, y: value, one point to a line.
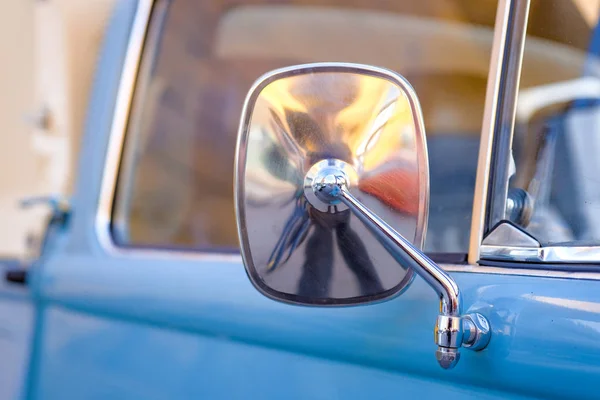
x: 471, y: 331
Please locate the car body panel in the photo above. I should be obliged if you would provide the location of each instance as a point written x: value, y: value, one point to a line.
x: 544, y: 329
x: 17, y: 317
x: 101, y: 357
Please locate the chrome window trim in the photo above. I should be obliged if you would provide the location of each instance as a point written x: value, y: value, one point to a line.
x: 548, y: 254
x: 119, y: 123
x: 500, y: 108
x: 504, y: 122
x: 565, y: 255
x: 532, y: 272
x: 143, y: 75
x: 119, y: 127
x: 115, y: 149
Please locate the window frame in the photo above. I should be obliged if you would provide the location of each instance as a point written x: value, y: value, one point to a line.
x: 495, y: 191
x: 499, y: 113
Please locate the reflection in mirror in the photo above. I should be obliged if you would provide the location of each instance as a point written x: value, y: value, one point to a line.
x: 360, y: 119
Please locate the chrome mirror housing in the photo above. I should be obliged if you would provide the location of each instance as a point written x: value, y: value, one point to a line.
x: 332, y: 191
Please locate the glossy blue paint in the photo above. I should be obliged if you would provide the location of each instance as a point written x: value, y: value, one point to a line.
x: 98, y: 358
x: 161, y: 325
x: 16, y: 335
x: 544, y: 330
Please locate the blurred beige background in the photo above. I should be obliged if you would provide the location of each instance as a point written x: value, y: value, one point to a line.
x: 49, y: 50
x: 17, y: 172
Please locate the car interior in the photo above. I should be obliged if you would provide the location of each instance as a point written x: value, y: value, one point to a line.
x: 175, y: 186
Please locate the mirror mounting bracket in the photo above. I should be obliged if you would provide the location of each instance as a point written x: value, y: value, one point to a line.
x: 330, y: 182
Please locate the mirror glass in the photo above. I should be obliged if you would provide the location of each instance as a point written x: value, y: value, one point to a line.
x: 293, y: 118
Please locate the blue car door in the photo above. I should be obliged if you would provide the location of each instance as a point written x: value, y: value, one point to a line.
x: 145, y: 295
x: 16, y: 331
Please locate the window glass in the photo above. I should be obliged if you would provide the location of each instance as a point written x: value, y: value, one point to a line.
x: 556, y: 141
x: 175, y: 186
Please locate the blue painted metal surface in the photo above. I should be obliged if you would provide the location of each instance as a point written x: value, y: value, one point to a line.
x: 545, y: 331
x: 165, y: 326
x: 97, y: 358
x: 16, y: 335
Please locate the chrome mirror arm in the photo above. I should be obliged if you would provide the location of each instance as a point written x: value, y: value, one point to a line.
x: 452, y: 329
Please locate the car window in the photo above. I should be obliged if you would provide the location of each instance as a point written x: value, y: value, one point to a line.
x: 554, y: 161
x: 175, y: 186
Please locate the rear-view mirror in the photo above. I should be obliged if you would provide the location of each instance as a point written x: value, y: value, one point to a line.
x: 332, y: 190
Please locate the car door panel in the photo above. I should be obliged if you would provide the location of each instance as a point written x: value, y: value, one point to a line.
x: 543, y: 328
x: 17, y: 313
x: 98, y: 357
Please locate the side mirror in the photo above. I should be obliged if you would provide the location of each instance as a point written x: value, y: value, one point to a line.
x: 332, y: 192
